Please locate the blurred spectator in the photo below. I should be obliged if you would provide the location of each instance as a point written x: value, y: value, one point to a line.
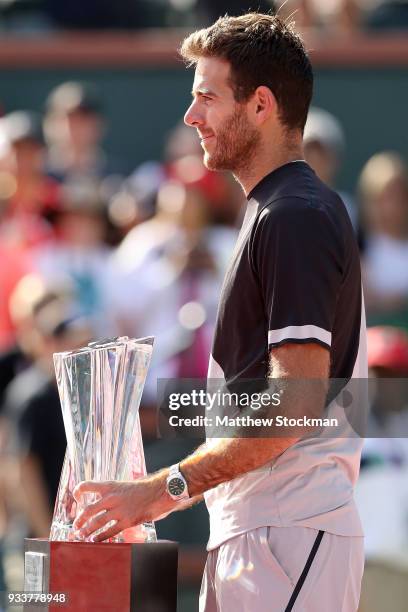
x: 383, y: 188
x: 324, y: 146
x: 14, y: 265
x: 134, y: 200
x: 32, y: 407
x: 224, y: 199
x: 335, y: 16
x: 382, y: 490
x: 74, y: 127
x: 388, y: 362
x: 27, y: 292
x: 30, y: 292
x: 339, y: 16
x: 24, y: 370
x: 181, y: 142
x: 79, y: 254
x: 27, y: 198
x: 27, y: 195
x: 302, y: 12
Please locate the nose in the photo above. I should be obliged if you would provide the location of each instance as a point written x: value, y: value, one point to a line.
x: 192, y: 117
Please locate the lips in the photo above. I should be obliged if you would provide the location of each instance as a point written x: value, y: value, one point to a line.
x: 204, y: 137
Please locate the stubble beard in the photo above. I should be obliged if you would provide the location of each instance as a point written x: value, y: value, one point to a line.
x: 236, y: 144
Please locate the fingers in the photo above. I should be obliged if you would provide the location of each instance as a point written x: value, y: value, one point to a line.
x: 95, y: 523
x: 90, y: 486
x: 115, y: 503
x: 82, y: 491
x: 90, y: 511
x: 109, y: 533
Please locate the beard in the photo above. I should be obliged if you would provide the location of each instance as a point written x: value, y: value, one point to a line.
x: 236, y: 143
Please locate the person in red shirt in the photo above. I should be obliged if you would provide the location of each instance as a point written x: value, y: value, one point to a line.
x: 27, y: 194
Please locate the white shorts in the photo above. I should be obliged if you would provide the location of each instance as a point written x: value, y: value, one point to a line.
x: 262, y: 570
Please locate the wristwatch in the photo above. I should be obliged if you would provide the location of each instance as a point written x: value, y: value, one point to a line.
x: 176, y: 484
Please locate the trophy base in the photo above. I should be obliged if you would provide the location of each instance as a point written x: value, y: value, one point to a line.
x: 89, y: 577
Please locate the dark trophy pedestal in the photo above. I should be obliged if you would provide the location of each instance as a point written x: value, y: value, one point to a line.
x: 122, y: 577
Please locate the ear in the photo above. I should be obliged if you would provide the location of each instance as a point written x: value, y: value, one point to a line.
x: 264, y: 104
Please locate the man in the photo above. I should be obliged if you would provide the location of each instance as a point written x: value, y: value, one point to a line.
x: 74, y: 126
x: 33, y: 197
x: 284, y: 528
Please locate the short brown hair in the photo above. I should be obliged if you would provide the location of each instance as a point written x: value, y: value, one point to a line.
x: 261, y: 50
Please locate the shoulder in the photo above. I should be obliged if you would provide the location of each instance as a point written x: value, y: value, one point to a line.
x: 301, y: 195
x: 299, y: 216
x: 300, y: 232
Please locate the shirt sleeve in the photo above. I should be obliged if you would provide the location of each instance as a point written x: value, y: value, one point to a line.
x: 298, y: 259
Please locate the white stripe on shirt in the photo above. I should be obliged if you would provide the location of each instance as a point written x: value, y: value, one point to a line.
x: 299, y: 332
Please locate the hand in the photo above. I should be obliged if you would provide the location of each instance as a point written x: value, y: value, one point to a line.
x: 126, y: 503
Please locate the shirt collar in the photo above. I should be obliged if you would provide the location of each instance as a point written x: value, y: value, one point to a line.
x: 262, y: 190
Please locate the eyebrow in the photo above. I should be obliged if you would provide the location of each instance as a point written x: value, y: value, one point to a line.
x: 203, y: 91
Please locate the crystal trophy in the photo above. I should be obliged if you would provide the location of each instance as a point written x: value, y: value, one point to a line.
x: 100, y: 388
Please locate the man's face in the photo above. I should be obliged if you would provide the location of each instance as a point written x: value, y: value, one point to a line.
x: 28, y: 156
x: 84, y: 128
x: 227, y: 136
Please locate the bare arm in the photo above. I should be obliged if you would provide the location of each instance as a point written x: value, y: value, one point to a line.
x: 232, y: 457
x: 211, y: 464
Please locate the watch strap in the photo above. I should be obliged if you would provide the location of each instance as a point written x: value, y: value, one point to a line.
x: 174, y: 469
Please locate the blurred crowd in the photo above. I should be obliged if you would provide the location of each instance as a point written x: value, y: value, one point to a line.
x: 89, y: 251
x: 341, y: 16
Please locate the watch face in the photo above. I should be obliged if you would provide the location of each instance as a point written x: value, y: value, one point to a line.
x: 176, y: 486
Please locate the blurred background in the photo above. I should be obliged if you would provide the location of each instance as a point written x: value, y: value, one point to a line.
x: 110, y: 225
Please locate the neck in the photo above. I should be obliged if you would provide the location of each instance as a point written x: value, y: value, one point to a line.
x: 267, y: 159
